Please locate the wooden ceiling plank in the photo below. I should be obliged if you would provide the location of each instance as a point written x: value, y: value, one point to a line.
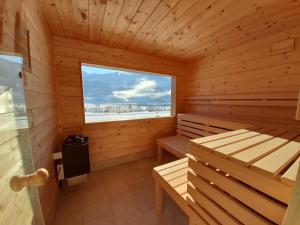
x: 179, y: 30
x: 111, y: 15
x: 214, y: 21
x: 145, y: 10
x: 248, y: 29
x: 274, y: 19
x: 174, y: 17
x: 96, y: 14
x: 81, y: 18
x: 125, y: 19
x: 184, y: 34
x: 65, y: 11
x: 155, y: 18
x: 194, y: 13
x: 49, y: 9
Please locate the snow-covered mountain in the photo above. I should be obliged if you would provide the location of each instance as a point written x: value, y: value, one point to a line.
x: 125, y: 87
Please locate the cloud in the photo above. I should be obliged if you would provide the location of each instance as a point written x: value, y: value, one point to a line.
x: 144, y: 88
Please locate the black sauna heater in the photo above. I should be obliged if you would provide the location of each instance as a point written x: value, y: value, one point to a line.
x: 75, y: 155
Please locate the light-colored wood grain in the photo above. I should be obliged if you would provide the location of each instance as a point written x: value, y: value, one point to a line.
x: 108, y: 140
x: 298, y: 108
x: 40, y: 99
x: 257, y: 152
x: 239, y: 146
x: 199, y: 212
x: 172, y: 177
x: 252, y: 68
x: 179, y: 30
x: 283, y: 46
x: 290, y: 175
x: 279, y: 159
x: 261, y: 182
x: 291, y: 217
x: 220, y: 136
x: 268, y: 99
x: 193, y: 126
x: 195, y: 219
x: 210, y: 206
x: 158, y: 198
x: 232, y: 206
x: 233, y: 139
x: 125, y: 18
x: 249, y: 196
x: 111, y: 15
x: 228, y: 183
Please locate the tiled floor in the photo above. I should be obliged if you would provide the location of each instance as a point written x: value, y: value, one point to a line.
x: 122, y: 195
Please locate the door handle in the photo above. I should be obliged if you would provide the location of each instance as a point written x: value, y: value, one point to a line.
x: 39, y: 178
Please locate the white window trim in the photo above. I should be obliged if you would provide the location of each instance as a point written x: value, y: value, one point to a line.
x: 173, y: 92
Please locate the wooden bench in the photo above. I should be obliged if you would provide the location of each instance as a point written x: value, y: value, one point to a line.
x: 240, y: 177
x: 191, y: 126
x: 172, y: 177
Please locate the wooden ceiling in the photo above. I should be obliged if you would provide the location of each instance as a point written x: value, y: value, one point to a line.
x: 181, y: 30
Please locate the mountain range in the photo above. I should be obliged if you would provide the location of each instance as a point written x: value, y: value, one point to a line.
x: 126, y: 87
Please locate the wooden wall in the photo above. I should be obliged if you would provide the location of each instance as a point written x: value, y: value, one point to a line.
x: 109, y: 141
x: 39, y: 92
x: 269, y: 64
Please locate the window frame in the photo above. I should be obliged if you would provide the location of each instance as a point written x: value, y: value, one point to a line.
x: 173, y: 92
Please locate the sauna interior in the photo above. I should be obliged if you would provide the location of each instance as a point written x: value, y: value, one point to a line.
x: 149, y: 112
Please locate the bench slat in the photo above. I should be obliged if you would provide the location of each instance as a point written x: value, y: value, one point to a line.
x: 203, y: 127
x: 250, y: 142
x: 193, y: 130
x: 242, y: 192
x: 193, y: 126
x: 289, y: 177
x: 222, y: 142
x: 235, y: 208
x: 210, y: 206
x: 249, y: 156
x: 200, y: 211
x: 279, y: 159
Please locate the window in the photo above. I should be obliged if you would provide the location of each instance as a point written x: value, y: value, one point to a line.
x: 114, y: 94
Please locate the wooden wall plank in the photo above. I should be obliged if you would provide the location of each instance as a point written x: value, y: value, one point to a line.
x: 109, y: 140
x: 250, y: 68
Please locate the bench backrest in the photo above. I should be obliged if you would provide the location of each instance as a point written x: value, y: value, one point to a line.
x: 194, y: 126
x: 264, y: 99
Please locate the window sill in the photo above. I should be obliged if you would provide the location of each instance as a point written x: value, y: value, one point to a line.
x: 129, y: 120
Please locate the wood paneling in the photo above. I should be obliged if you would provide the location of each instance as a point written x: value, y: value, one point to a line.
x: 177, y: 29
x: 109, y: 139
x: 39, y: 92
x: 222, y: 165
x: 268, y: 65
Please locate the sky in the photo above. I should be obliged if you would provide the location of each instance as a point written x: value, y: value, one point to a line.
x: 144, y: 86
x: 12, y: 58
